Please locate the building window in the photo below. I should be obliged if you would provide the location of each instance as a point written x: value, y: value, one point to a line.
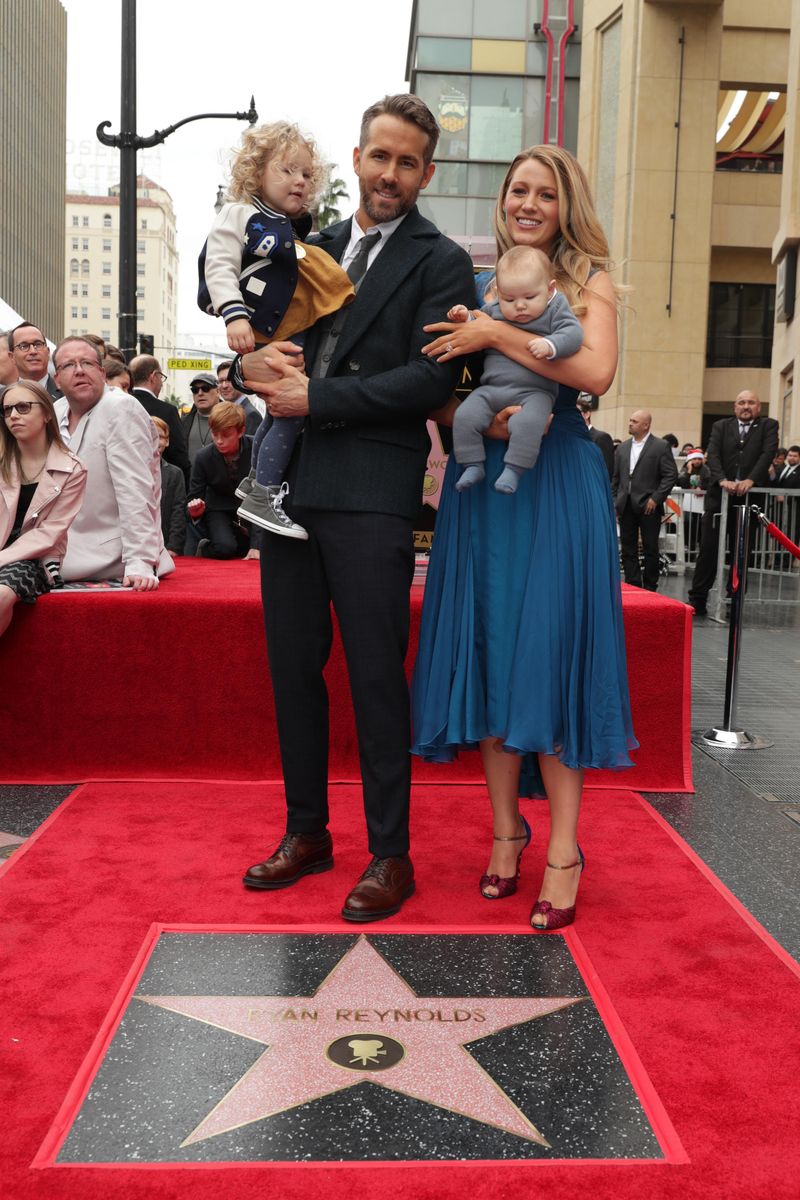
x: 106, y: 290
x: 84, y: 289
x: 143, y: 224
x: 74, y: 243
x: 140, y: 314
x: 105, y: 334
x: 85, y: 245
x: 106, y: 245
x: 140, y: 247
x: 480, y: 116
x: 140, y: 293
x: 84, y: 314
x: 74, y: 289
x: 74, y: 331
x: 85, y: 222
x: 740, y: 321
x: 85, y: 266
x: 73, y: 266
x: 140, y: 270
x: 105, y: 314
x: 106, y: 268
x: 74, y: 220
x: 106, y: 220
x: 73, y: 312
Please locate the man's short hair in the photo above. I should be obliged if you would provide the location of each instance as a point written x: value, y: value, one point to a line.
x: 22, y: 325
x: 226, y: 415
x: 142, y: 368
x: 673, y: 441
x: 408, y: 108
x: 227, y: 363
x: 78, y: 338
x: 794, y: 450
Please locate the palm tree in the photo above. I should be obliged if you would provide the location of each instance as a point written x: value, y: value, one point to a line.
x: 328, y: 209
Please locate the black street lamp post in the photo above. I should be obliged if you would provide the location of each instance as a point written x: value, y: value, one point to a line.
x: 128, y: 142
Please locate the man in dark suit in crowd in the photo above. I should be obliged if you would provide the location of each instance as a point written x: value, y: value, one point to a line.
x: 644, y: 475
x: 602, y: 440
x: 31, y: 356
x: 355, y: 484
x: 740, y: 451
x: 252, y: 417
x: 788, y: 507
x: 147, y: 380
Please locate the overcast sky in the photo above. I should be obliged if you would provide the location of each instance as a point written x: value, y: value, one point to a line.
x: 210, y: 57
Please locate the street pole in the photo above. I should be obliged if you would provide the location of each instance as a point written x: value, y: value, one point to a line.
x: 127, y: 185
x: 129, y: 142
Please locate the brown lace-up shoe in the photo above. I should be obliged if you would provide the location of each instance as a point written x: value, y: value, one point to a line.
x: 381, y: 890
x: 297, y: 855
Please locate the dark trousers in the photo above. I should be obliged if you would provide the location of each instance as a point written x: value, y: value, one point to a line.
x: 363, y: 564
x: 225, y: 536
x: 705, y: 570
x: 631, y: 525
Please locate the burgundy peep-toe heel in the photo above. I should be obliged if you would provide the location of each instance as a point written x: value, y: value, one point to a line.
x: 506, y: 885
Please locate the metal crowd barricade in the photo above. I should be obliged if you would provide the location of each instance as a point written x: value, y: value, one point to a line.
x: 773, y: 573
x: 680, y: 528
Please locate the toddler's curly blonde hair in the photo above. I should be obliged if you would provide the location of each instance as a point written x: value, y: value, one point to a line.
x: 263, y: 143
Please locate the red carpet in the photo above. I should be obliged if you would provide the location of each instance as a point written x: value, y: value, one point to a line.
x: 113, y: 685
x: 711, y: 1008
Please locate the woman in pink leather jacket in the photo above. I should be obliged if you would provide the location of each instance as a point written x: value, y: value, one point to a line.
x: 41, y: 490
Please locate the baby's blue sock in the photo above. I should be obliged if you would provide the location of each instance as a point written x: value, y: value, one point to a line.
x: 472, y: 474
x: 508, y: 480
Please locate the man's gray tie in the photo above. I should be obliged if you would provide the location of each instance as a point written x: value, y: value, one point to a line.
x: 358, y: 267
x: 335, y: 324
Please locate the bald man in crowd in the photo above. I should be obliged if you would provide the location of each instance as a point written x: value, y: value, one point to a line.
x: 739, y: 455
x: 644, y: 475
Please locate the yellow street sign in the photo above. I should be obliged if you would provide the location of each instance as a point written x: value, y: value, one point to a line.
x: 189, y: 364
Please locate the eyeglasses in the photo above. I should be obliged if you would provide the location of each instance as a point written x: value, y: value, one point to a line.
x: 23, y: 407
x: 26, y: 346
x: 194, y: 388
x: 85, y: 364
x: 161, y: 375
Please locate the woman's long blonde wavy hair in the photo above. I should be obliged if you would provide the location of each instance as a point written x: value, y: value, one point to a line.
x: 581, y: 245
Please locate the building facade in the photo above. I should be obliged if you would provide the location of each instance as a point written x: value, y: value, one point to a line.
x: 682, y: 130
x: 91, y: 261
x: 33, y: 114
x: 785, y: 402
x: 498, y: 75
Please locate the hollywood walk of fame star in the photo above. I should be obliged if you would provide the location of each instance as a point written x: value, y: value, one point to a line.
x: 363, y: 1023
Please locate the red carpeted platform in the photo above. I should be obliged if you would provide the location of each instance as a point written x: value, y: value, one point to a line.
x: 708, y: 1000
x: 174, y: 684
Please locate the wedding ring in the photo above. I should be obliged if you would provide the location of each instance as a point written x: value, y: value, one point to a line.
x: 449, y: 347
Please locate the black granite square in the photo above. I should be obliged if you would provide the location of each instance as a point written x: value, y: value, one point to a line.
x: 293, y: 1047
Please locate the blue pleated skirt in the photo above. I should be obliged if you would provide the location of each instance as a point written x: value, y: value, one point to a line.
x: 522, y: 636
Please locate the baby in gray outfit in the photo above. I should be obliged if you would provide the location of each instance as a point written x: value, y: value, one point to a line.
x: 527, y: 298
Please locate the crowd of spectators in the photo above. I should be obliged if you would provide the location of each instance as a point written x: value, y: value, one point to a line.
x: 153, y: 483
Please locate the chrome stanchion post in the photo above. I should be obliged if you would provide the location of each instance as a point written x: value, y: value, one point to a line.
x: 729, y: 736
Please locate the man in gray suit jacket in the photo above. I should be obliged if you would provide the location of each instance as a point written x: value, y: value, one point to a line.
x: 356, y: 484
x: 644, y: 475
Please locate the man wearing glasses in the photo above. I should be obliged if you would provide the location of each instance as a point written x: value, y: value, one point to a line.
x: 32, y: 357
x: 147, y: 380
x: 117, y: 533
x: 205, y: 394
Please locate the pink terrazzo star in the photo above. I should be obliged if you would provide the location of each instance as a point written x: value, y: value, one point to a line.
x: 364, y: 1001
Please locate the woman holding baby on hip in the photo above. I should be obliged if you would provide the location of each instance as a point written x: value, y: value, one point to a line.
x: 522, y: 648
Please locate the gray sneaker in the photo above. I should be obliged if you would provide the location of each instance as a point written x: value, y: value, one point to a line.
x: 264, y: 507
x: 246, y: 486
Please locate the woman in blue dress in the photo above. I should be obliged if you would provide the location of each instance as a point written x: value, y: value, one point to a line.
x: 522, y: 648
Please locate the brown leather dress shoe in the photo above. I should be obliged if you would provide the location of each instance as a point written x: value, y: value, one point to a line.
x: 381, y: 890
x: 296, y: 856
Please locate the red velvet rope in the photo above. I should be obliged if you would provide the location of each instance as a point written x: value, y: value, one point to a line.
x: 780, y: 536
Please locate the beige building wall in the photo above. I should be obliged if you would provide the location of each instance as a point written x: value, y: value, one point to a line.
x: 91, y: 299
x: 784, y: 400
x: 676, y: 224
x: 33, y: 108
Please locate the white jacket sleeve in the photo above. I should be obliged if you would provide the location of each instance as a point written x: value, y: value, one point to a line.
x: 224, y: 250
